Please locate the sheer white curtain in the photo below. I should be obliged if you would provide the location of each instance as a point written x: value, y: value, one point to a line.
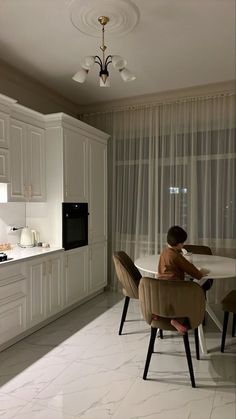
x: 172, y: 163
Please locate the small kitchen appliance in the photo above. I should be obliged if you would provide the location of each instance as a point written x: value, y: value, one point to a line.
x: 3, y: 257
x: 26, y: 238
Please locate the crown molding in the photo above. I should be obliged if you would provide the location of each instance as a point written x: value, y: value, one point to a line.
x: 170, y: 95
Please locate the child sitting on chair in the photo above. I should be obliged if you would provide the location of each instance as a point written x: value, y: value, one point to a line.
x: 173, y: 265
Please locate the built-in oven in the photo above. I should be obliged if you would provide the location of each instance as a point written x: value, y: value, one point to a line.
x: 74, y: 224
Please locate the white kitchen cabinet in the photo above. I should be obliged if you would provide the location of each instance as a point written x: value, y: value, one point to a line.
x: 76, y: 167
x: 97, y: 165
x: 13, y: 302
x: 97, y: 267
x: 27, y: 156
x: 54, y: 285
x: 76, y: 171
x: 45, y: 288
x: 36, y: 273
x: 4, y: 130
x: 4, y: 144
x: 75, y: 275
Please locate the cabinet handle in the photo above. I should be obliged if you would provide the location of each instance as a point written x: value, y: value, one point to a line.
x: 25, y: 191
x: 30, y: 191
x: 50, y: 266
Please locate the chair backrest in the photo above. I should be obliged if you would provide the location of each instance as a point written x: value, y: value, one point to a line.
x: 170, y: 299
x: 195, y: 248
x: 127, y: 274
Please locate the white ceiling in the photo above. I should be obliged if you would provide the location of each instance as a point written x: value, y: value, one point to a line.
x: 172, y: 44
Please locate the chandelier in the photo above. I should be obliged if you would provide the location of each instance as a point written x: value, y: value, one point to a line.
x: 117, y: 61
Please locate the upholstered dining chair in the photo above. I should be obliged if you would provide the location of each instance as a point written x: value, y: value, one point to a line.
x: 199, y: 249
x: 228, y: 306
x: 171, y: 299
x: 129, y: 277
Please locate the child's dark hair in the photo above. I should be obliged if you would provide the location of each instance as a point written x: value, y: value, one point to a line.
x: 176, y: 235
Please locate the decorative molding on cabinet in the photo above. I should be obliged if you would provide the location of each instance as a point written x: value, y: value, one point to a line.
x: 66, y: 121
x: 6, y: 103
x: 27, y: 115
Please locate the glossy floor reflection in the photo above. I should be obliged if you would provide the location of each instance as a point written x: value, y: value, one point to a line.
x: 78, y: 367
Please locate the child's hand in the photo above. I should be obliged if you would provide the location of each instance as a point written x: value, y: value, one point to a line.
x: 204, y: 271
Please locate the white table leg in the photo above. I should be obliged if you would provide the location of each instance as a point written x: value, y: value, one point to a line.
x: 202, y: 341
x: 213, y: 316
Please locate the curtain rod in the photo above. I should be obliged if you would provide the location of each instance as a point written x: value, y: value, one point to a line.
x: 160, y: 103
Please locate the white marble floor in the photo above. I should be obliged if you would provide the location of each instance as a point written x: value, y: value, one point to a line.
x: 78, y: 367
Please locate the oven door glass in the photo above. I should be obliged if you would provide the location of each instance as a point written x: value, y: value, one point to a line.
x: 75, y: 225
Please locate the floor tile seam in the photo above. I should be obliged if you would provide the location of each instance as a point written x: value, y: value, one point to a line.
x: 126, y: 395
x: 49, y: 383
x: 33, y: 401
x: 26, y: 402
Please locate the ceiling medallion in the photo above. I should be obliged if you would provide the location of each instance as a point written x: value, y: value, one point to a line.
x: 123, y: 16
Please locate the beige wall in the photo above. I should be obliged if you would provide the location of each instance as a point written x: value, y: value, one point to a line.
x: 33, y: 94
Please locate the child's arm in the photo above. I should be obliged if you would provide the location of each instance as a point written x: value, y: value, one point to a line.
x: 189, y: 268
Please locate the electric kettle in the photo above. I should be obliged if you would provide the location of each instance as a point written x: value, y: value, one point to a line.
x: 27, y: 237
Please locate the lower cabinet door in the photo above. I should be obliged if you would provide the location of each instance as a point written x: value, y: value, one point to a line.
x: 45, y: 288
x: 37, y: 279
x: 75, y: 275
x: 97, y: 266
x: 12, y: 319
x: 53, y: 286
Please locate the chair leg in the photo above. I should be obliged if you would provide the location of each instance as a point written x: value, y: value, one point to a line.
x: 196, y: 343
x: 234, y: 326
x: 225, y: 324
x: 150, y: 351
x: 123, y: 317
x: 189, y: 358
x: 160, y: 333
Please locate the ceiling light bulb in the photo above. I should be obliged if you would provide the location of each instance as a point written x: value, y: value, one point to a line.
x: 126, y: 75
x: 88, y: 62
x: 81, y: 75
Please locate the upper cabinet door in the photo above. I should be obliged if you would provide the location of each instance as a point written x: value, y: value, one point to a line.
x: 4, y: 153
x: 36, y: 164
x: 97, y: 191
x: 17, y: 188
x: 27, y: 156
x: 76, y: 167
x: 4, y: 130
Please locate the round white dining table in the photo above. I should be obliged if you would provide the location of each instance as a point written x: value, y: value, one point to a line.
x: 219, y: 267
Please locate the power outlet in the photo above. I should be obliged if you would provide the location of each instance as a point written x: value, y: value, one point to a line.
x: 11, y: 229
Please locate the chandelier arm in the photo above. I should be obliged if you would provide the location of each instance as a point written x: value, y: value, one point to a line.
x: 109, y: 57
x: 99, y: 61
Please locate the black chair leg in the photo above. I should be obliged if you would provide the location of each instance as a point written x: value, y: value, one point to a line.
x: 225, y: 324
x: 234, y: 326
x: 150, y: 351
x: 189, y: 358
x: 160, y: 333
x: 196, y: 343
x: 123, y: 317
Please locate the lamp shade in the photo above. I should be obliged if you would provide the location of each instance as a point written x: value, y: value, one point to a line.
x: 81, y: 75
x: 104, y: 84
x: 126, y: 75
x: 118, y: 62
x: 88, y: 62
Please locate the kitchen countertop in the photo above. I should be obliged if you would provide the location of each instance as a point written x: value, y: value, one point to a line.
x: 17, y: 253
